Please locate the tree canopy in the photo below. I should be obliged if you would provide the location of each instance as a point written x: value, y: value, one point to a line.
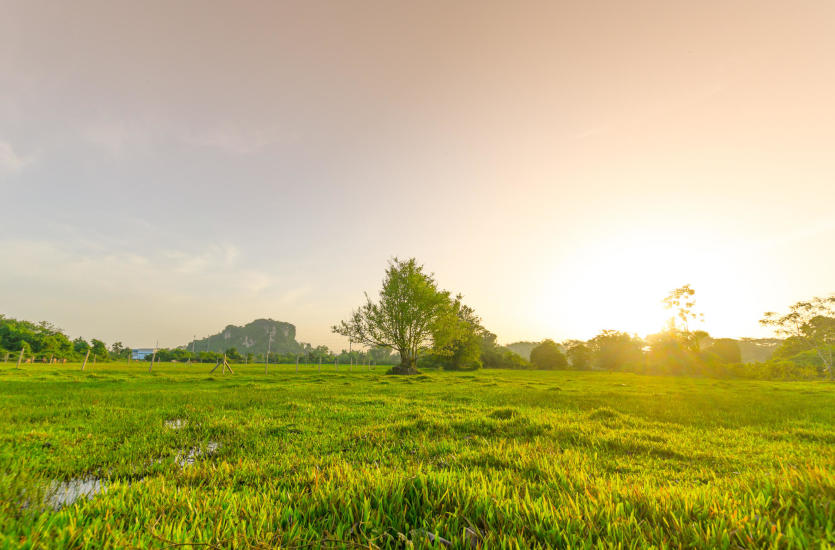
x: 808, y: 324
x: 412, y: 316
x: 548, y: 355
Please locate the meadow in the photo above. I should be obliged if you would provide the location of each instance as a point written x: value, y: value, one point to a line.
x: 180, y: 458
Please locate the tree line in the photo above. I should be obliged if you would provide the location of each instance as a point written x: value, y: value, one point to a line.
x: 309, y: 354
x: 414, y: 324
x: 44, y: 340
x: 432, y: 328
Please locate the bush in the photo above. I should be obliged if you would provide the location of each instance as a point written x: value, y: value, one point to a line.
x: 503, y: 358
x: 548, y: 356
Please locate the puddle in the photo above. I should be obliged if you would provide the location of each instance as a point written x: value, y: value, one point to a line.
x: 59, y: 494
x: 188, y: 459
x: 66, y: 493
x: 176, y: 424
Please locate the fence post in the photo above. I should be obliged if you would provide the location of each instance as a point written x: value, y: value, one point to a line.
x: 19, y: 359
x: 297, y: 364
x: 154, y: 356
x: 84, y: 364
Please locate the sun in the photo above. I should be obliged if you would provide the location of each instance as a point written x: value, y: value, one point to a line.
x: 617, y: 284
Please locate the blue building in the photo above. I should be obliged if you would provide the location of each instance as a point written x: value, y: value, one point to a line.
x: 140, y: 353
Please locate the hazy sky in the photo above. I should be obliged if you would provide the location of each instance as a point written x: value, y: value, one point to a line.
x: 167, y: 168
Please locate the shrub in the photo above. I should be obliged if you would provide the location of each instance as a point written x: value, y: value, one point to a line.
x: 548, y: 356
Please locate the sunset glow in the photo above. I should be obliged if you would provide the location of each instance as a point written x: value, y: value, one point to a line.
x: 564, y: 165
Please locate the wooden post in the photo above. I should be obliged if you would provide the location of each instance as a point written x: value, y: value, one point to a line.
x: 153, y: 357
x: 297, y: 364
x: 84, y: 364
x: 7, y: 357
x: 19, y: 359
x: 320, y: 364
x: 270, y: 332
x: 216, y: 366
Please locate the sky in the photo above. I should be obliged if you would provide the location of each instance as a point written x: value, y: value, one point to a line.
x: 168, y: 168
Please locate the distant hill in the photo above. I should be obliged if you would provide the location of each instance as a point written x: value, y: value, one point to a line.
x: 522, y: 348
x: 252, y: 338
x: 758, y: 349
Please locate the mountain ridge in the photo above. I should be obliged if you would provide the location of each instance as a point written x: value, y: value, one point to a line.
x: 253, y: 337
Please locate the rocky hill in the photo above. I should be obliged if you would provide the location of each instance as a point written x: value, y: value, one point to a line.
x: 252, y: 338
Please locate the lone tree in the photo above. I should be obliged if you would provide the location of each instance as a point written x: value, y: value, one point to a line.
x: 411, y: 317
x: 548, y: 355
x: 682, y: 301
x: 811, y: 323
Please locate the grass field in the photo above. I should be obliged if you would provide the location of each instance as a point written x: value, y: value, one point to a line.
x: 491, y: 459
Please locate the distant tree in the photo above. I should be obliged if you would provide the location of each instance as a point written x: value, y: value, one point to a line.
x: 791, y: 346
x: 412, y: 315
x: 39, y: 338
x: 579, y: 354
x: 463, y: 347
x: 98, y: 349
x: 758, y: 349
x: 233, y: 355
x: 611, y: 350
x: 494, y: 356
x: 118, y: 350
x: 512, y: 360
x: 320, y: 353
x: 674, y: 351
x: 80, y: 345
x: 812, y: 322
x: 548, y: 355
x: 522, y: 348
x: 380, y: 355
x: 724, y: 350
x: 682, y: 301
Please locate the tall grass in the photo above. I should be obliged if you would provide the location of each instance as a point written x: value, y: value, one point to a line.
x: 487, y: 459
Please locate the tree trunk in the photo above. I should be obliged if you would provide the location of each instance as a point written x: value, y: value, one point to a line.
x: 407, y: 365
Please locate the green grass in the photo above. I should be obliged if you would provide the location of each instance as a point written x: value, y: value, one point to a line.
x: 496, y: 459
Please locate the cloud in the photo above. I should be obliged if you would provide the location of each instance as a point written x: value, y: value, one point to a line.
x: 170, y: 274
x: 10, y: 161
